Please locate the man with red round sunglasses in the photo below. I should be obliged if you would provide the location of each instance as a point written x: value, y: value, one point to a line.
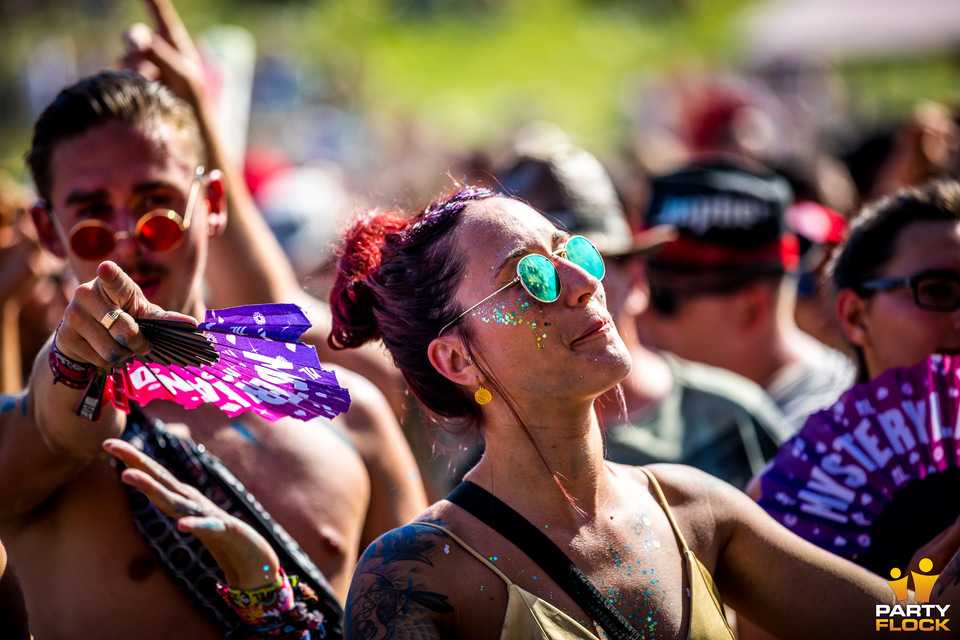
x: 112, y: 157
x: 157, y: 229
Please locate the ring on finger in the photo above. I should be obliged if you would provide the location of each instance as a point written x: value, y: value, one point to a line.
x: 109, y: 318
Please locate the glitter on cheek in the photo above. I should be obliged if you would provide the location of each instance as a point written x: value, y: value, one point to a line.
x: 498, y: 314
x: 517, y: 314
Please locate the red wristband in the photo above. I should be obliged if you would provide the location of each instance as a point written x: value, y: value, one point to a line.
x: 68, y: 371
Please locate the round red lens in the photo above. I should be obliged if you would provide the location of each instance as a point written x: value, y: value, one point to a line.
x: 92, y: 241
x: 160, y: 231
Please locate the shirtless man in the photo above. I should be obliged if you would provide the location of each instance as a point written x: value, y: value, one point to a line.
x: 112, y: 147
x: 163, y: 50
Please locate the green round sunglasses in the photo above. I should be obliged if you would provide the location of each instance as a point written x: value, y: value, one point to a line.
x: 539, y: 276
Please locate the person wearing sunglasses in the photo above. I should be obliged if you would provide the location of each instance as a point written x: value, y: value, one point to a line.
x: 539, y: 276
x: 499, y: 321
x: 667, y: 409
x: 544, y: 538
x: 896, y: 293
x: 897, y: 278
x: 163, y: 50
x: 156, y: 229
x: 128, y: 197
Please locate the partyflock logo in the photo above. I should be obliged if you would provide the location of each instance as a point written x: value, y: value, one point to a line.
x: 920, y: 616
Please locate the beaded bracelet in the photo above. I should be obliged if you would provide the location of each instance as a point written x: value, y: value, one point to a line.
x: 68, y: 371
x: 278, y: 611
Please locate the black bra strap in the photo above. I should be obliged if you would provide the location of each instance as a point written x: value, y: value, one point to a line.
x: 486, y: 507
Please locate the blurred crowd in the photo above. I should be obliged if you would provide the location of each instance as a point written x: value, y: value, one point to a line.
x: 720, y: 224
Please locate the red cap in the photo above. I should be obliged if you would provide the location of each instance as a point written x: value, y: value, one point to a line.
x: 693, y: 254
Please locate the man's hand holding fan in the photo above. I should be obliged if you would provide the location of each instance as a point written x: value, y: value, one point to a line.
x: 240, y: 359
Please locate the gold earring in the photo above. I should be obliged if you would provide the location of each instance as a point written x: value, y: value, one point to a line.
x: 482, y: 396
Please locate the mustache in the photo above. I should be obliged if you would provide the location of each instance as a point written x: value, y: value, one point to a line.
x: 144, y: 271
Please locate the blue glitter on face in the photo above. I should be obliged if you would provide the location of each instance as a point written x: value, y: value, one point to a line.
x: 496, y: 313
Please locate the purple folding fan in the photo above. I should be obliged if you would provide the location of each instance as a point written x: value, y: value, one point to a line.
x: 875, y: 476
x: 240, y: 359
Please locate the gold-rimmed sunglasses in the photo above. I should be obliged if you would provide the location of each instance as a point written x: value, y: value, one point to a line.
x: 157, y: 229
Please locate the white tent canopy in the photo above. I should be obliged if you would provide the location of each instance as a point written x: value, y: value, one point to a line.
x: 838, y: 29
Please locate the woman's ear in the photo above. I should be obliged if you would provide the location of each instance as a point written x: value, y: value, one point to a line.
x: 47, y: 230
x: 851, y: 314
x: 216, y: 194
x: 448, y: 356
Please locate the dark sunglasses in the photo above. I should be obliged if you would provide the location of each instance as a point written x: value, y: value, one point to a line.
x: 932, y: 290
x: 539, y: 276
x: 157, y: 230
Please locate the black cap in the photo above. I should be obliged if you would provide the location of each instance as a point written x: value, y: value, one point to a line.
x: 727, y: 215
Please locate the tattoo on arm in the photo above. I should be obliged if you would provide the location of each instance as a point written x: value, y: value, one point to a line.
x: 9, y: 402
x: 387, y: 599
x: 950, y: 575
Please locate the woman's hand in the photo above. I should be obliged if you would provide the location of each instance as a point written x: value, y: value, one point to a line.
x: 246, y: 558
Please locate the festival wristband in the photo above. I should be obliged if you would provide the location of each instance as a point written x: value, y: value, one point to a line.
x: 68, y: 371
x: 277, y: 611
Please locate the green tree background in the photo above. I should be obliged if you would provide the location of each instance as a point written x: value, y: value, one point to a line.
x: 466, y: 71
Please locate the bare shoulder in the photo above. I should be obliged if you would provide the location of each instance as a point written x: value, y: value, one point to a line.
x: 707, y: 509
x: 372, y: 428
x: 401, y: 586
x: 369, y: 411
x: 683, y: 485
